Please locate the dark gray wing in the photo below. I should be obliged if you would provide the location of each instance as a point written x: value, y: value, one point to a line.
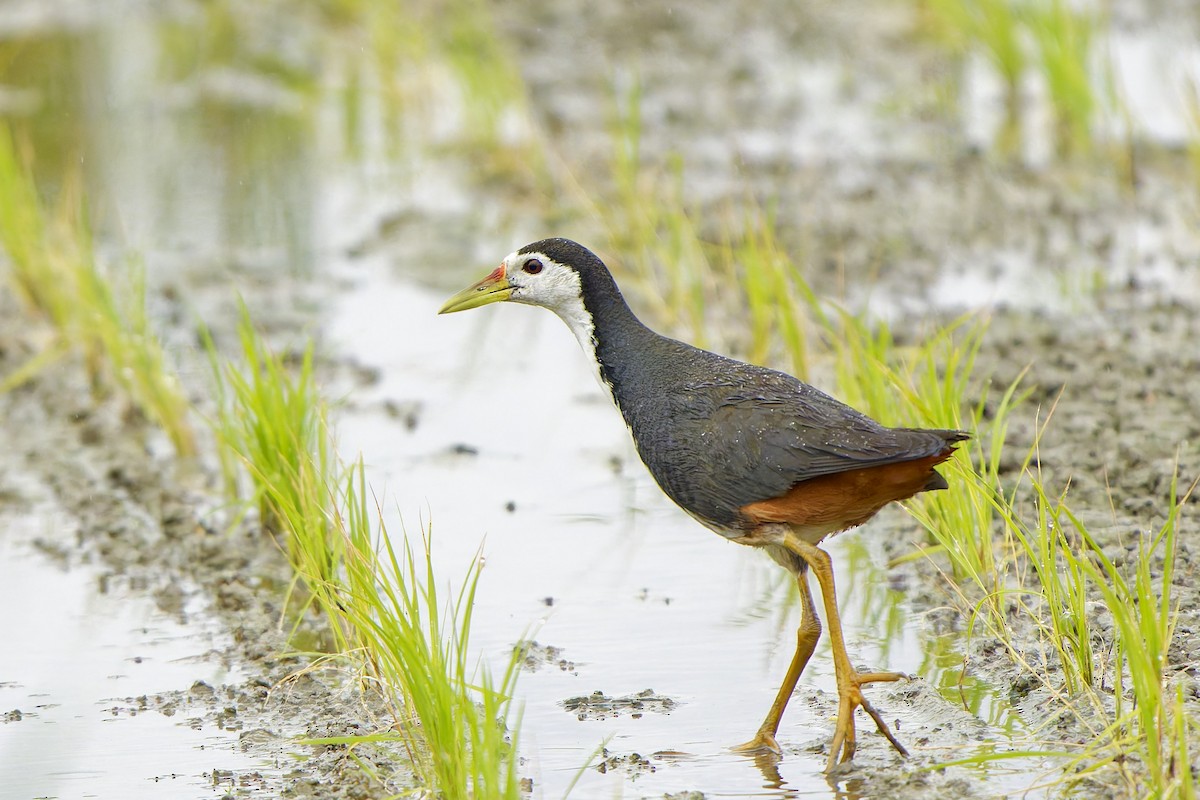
x: 741, y: 434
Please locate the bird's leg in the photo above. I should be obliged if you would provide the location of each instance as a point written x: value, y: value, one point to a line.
x: 849, y: 680
x: 806, y: 641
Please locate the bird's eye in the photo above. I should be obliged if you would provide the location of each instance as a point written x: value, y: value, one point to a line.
x: 532, y: 266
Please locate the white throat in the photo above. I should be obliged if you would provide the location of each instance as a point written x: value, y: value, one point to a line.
x: 558, y: 288
x: 580, y: 322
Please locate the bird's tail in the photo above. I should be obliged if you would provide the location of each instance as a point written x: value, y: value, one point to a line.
x: 950, y: 437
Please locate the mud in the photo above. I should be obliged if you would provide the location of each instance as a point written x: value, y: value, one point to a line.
x: 892, y: 205
x: 536, y: 656
x: 597, y: 705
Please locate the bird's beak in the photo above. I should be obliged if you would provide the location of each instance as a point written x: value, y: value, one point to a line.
x: 492, y: 289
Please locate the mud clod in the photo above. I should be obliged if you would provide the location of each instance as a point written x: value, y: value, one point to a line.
x: 536, y: 656
x: 633, y: 764
x: 598, y: 705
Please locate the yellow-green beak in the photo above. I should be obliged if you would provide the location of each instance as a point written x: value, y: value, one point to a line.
x: 492, y: 289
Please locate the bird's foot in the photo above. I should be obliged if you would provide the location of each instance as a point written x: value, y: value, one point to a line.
x: 850, y: 697
x: 763, y: 742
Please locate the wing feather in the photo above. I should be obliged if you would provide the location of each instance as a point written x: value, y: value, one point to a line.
x: 737, y: 436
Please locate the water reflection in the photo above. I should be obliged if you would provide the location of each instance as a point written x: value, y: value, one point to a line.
x: 175, y: 152
x: 840, y: 788
x: 46, y: 80
x: 768, y: 765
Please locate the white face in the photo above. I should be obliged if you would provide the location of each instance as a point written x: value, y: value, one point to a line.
x: 541, y: 281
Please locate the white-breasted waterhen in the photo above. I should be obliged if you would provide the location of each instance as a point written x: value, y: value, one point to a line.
x: 754, y: 454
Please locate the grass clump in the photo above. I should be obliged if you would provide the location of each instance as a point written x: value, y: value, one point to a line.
x: 272, y: 425
x: 1065, y: 47
x: 774, y: 289
x: 1192, y: 100
x: 992, y: 25
x: 53, y: 268
x: 387, y: 618
x: 1056, y: 37
x: 1118, y: 686
x: 449, y: 59
x: 1024, y: 551
x: 647, y: 223
x: 1150, y: 718
x: 415, y: 648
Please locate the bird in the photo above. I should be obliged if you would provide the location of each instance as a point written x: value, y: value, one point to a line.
x: 752, y: 453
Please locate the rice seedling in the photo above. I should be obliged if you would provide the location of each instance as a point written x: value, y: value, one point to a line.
x: 385, y: 615
x: 228, y: 37
x: 53, y: 268
x: 780, y: 302
x: 23, y: 232
x: 1057, y: 575
x: 138, y: 364
x: 275, y: 424
x: 929, y: 383
x: 1014, y: 35
x: 1192, y: 100
x: 994, y: 29
x: 415, y: 647
x: 1150, y: 718
x: 1042, y: 564
x: 373, y: 44
x: 649, y: 224
x: 962, y: 519
x: 994, y: 25
x: 1181, y: 750
x: 631, y: 218
x: 1062, y: 588
x: 467, y: 38
x: 1140, y: 729
x: 1064, y: 38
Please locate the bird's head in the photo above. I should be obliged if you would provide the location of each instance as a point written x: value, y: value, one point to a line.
x: 549, y: 273
x: 571, y: 281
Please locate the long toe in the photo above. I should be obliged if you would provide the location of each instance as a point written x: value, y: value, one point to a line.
x: 844, y: 740
x: 863, y: 678
x: 762, y: 742
x: 883, y: 728
x: 850, y: 697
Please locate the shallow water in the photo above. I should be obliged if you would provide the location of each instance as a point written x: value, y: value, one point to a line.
x: 76, y: 662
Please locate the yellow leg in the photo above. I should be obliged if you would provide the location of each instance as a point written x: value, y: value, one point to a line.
x: 849, y: 681
x: 806, y: 641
